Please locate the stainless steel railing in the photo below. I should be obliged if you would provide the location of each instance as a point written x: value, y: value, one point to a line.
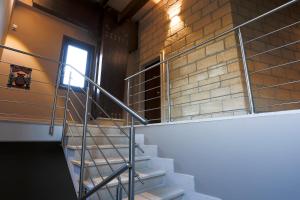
x: 206, y: 97
x: 77, y: 113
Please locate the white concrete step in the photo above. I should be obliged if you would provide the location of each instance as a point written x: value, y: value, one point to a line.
x: 145, y: 174
x: 161, y: 193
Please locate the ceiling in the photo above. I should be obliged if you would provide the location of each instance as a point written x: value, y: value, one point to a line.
x: 120, y: 5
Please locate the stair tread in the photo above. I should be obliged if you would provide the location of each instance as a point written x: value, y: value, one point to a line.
x: 101, y: 161
x: 104, y: 146
x: 144, y: 173
x: 161, y: 193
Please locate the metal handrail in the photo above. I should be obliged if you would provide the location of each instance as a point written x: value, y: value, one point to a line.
x: 106, y: 93
x: 213, y: 38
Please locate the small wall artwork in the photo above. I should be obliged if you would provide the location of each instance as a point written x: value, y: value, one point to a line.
x: 19, y: 77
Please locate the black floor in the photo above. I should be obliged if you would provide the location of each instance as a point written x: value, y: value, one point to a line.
x: 34, y: 171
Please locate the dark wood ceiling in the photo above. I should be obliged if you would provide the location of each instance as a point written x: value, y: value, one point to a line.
x: 86, y: 13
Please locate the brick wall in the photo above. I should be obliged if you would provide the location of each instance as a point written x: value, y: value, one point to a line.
x: 244, y: 10
x: 207, y: 81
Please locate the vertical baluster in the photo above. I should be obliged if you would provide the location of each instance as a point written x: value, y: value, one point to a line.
x: 131, y: 172
x: 66, y: 111
x: 128, y: 99
x: 168, y: 90
x: 119, y: 191
x: 83, y: 145
x: 247, y: 77
x: 53, y: 112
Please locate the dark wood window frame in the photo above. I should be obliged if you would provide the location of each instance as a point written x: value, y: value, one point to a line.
x: 63, y: 56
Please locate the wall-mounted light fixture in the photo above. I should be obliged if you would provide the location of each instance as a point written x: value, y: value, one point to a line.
x: 173, y: 12
x: 14, y: 27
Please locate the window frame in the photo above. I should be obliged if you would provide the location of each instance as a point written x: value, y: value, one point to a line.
x: 67, y: 40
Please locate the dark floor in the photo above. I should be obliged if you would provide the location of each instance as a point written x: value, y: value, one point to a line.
x: 34, y: 171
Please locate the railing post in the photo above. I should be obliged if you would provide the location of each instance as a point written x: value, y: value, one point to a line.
x: 246, y: 71
x: 83, y: 146
x: 128, y: 99
x: 53, y: 112
x: 168, y: 90
x: 119, y: 191
x: 131, y: 171
x: 66, y: 111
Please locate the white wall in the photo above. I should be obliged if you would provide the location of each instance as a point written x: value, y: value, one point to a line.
x: 5, y: 14
x: 28, y: 132
x: 247, y: 158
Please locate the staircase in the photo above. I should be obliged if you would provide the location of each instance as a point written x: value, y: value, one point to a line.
x: 157, y: 179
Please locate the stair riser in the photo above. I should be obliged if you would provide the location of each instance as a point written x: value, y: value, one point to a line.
x: 105, y: 169
x: 148, y: 184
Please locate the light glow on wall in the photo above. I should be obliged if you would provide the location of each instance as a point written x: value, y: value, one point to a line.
x: 173, y: 12
x: 156, y: 1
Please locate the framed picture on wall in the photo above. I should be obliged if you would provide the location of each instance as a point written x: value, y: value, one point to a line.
x: 19, y: 77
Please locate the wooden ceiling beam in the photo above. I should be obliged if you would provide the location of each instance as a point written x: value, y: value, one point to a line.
x: 131, y: 9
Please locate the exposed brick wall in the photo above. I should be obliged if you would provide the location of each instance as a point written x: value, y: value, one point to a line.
x: 246, y: 9
x: 209, y: 81
x: 205, y: 82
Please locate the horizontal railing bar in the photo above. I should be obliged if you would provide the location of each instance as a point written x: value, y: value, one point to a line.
x: 30, y: 92
x: 215, y: 37
x: 280, y: 104
x: 231, y: 61
x: 145, y: 100
x: 26, y: 115
x: 154, y: 119
x: 192, y: 102
x: 26, y: 103
x: 155, y: 77
x: 32, y: 80
x: 106, y: 93
x: 144, y: 91
x: 117, y: 173
x: 203, y: 85
x: 277, y: 85
x: 272, y: 32
x: 151, y: 109
x: 274, y: 49
x: 276, y: 66
x: 6, y: 62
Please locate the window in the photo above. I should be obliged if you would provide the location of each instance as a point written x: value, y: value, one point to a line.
x: 78, y: 55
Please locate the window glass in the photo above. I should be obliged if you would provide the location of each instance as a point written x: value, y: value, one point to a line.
x: 77, y: 58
